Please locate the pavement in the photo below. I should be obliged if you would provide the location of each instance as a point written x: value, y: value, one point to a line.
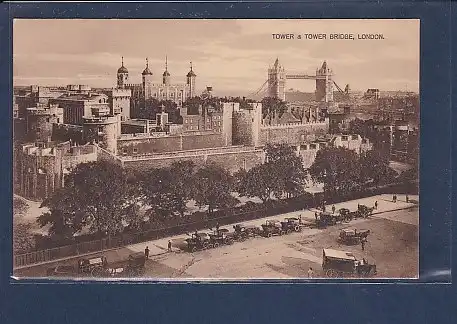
x: 159, y: 247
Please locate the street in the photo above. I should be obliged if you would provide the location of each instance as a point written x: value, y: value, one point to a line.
x: 392, y: 245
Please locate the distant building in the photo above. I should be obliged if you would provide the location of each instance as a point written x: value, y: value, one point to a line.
x: 148, y: 89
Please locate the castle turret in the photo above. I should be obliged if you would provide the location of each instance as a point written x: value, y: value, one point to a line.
x: 102, y: 130
x: 147, y: 80
x: 166, y: 74
x: 122, y: 75
x: 191, y: 76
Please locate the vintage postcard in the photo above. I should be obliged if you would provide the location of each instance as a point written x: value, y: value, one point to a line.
x: 216, y: 149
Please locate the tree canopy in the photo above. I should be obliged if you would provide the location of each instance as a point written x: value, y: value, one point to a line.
x: 96, y: 195
x: 337, y: 168
x: 213, y: 187
x: 167, y: 190
x: 282, y: 173
x: 271, y: 105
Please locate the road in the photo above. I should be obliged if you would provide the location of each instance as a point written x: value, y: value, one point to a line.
x: 393, y: 244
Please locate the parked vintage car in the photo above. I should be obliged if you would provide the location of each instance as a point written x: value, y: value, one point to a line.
x: 353, y: 235
x: 340, y: 264
x: 198, y: 241
x: 291, y: 224
x: 92, y: 266
x: 221, y: 236
x: 325, y: 219
x: 347, y: 215
x: 364, y: 211
x: 242, y: 231
x: 272, y: 227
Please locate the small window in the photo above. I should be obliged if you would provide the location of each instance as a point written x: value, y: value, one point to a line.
x: 185, y: 122
x: 124, y: 151
x: 219, y: 123
x: 135, y: 150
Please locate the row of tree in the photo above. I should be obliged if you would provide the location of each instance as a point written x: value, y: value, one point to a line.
x: 104, y: 198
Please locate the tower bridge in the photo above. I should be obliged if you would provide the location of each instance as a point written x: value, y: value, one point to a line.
x: 277, y: 76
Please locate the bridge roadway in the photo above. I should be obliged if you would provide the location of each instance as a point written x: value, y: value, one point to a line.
x: 165, y: 264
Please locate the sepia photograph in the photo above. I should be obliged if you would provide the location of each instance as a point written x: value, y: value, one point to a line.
x: 216, y: 149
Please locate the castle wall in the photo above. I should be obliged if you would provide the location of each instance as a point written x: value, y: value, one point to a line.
x: 291, y: 134
x: 230, y: 158
x: 150, y: 145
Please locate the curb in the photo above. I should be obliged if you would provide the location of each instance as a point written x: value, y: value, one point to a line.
x: 152, y: 255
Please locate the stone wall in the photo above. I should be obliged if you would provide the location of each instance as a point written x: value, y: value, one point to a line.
x: 291, y: 134
x: 149, y: 145
x: 230, y: 159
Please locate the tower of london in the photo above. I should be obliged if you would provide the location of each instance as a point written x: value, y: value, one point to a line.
x: 166, y: 90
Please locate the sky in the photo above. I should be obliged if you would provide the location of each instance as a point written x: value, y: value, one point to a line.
x: 232, y: 55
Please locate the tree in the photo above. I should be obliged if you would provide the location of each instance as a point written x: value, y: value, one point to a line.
x: 260, y: 181
x: 212, y: 188
x: 19, y: 206
x: 96, y: 195
x: 287, y: 167
x: 272, y: 105
x: 374, y: 167
x: 338, y: 168
x: 23, y: 239
x: 167, y: 190
x: 183, y: 173
x: 64, y: 216
x: 282, y: 173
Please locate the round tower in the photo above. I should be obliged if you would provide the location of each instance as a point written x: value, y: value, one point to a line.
x: 102, y: 130
x: 191, y: 76
x: 122, y: 75
x: 40, y: 121
x: 166, y: 74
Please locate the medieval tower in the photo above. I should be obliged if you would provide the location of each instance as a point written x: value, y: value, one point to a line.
x: 277, y: 81
x: 191, y: 76
x: 324, y: 84
x: 122, y: 76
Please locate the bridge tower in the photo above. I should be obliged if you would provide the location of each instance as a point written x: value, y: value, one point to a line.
x: 324, y: 84
x: 277, y: 81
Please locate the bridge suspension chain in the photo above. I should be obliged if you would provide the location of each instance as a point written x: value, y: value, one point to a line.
x: 337, y: 86
x: 255, y: 93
